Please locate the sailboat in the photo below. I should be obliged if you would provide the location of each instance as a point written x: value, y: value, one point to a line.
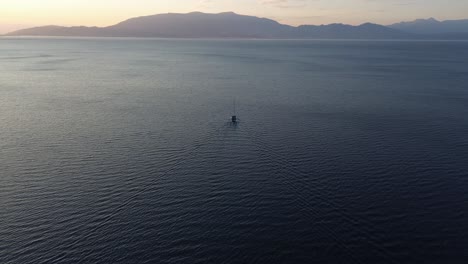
x: 234, y: 116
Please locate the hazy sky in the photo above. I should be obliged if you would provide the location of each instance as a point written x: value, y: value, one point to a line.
x: 23, y: 13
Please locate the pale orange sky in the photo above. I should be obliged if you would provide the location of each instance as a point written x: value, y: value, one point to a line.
x: 16, y: 14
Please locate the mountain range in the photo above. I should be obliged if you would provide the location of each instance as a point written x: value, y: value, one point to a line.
x: 232, y: 25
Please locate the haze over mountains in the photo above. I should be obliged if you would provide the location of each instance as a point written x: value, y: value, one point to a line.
x: 231, y: 25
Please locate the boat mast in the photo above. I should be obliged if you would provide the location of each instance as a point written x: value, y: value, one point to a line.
x: 234, y: 106
x: 234, y: 117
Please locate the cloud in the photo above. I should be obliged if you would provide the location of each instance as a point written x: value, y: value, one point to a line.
x: 284, y: 3
x: 204, y: 3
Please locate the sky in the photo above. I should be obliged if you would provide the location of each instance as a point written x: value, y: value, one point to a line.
x: 16, y: 14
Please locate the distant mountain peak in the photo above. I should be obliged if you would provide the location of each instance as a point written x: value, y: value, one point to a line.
x: 432, y: 26
x: 428, y: 20
x: 228, y: 13
x: 417, y: 22
x: 368, y: 24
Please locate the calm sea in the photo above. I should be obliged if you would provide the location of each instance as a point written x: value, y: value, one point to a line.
x: 120, y: 151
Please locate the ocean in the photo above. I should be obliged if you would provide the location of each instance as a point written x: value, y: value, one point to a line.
x: 121, y: 151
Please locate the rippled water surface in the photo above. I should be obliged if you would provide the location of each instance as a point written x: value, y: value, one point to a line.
x: 119, y: 151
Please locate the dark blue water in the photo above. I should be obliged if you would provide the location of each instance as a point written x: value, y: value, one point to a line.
x: 119, y: 151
